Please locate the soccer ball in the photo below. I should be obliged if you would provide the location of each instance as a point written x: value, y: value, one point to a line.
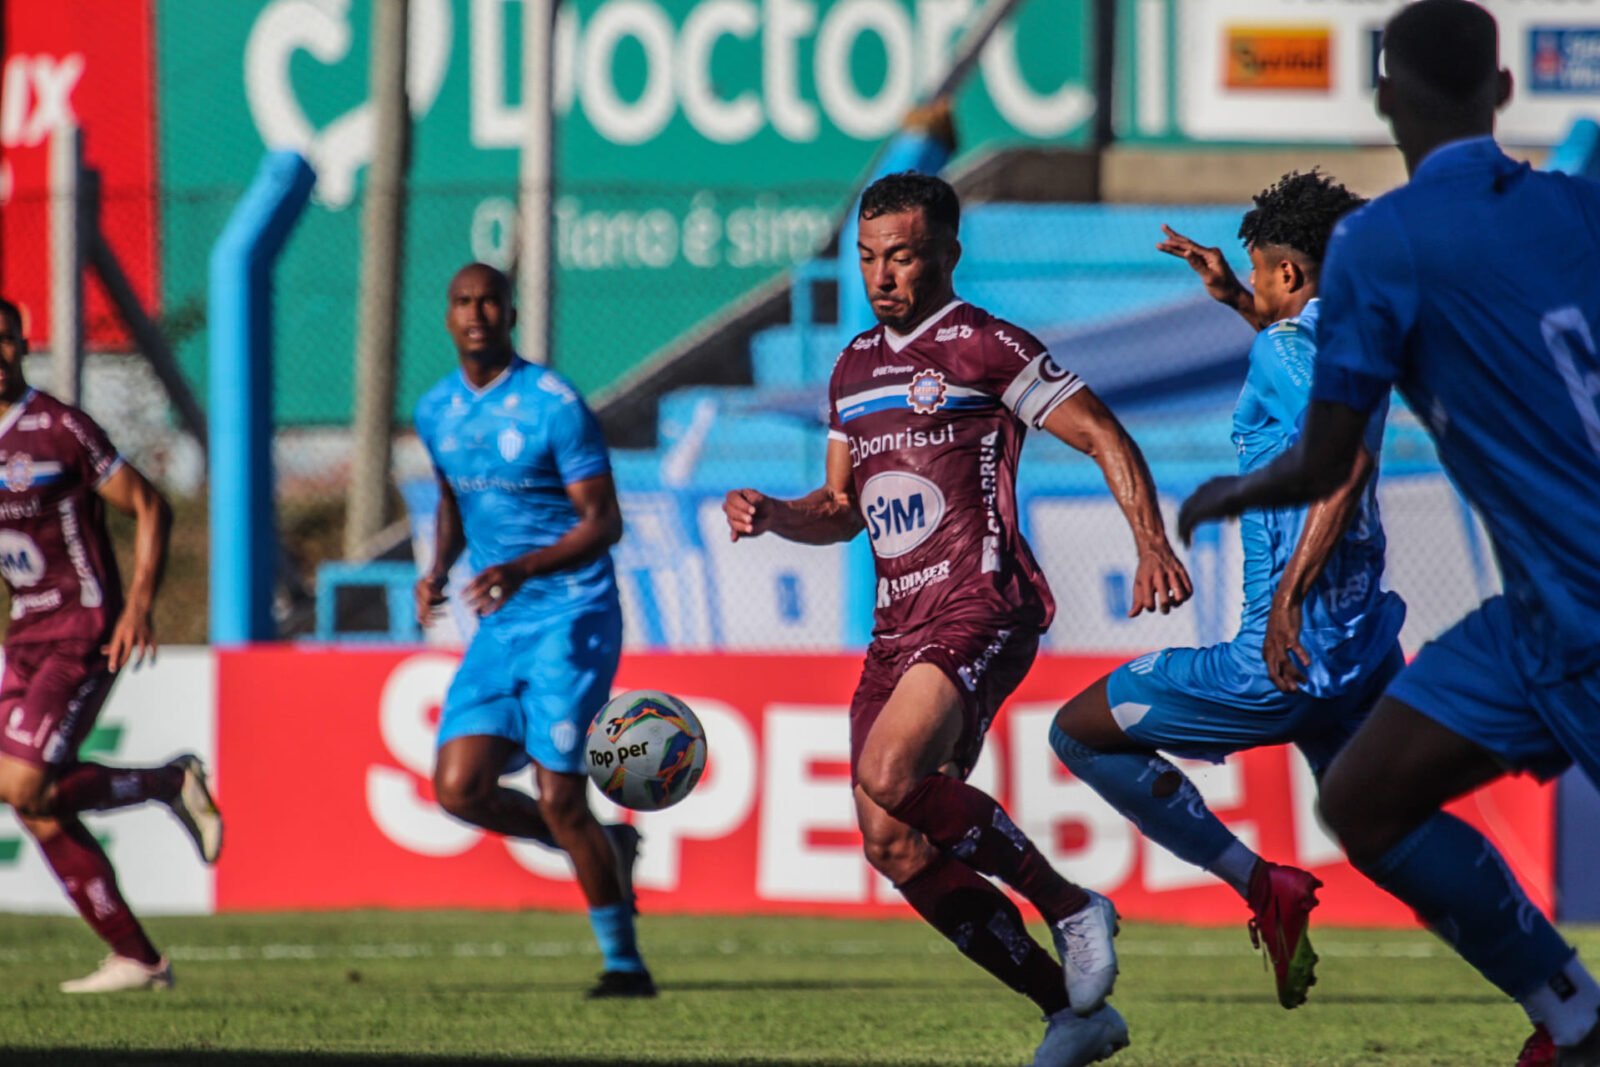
x: 646, y: 750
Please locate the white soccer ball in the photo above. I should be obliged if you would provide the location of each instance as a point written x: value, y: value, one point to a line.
x: 646, y: 750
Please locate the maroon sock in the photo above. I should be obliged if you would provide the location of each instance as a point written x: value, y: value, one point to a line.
x: 974, y: 829
x: 91, y: 787
x: 987, y: 928
x: 86, y: 874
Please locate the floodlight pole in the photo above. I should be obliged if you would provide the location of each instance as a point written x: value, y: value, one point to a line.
x: 382, y: 251
x: 536, y: 181
x: 67, y: 248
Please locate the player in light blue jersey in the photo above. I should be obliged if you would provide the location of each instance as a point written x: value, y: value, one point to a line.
x: 1317, y: 638
x: 525, y: 488
x: 1475, y: 289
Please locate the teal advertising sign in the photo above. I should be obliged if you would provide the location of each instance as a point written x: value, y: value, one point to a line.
x: 703, y: 147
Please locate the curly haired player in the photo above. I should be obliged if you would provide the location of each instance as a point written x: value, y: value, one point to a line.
x: 1317, y: 639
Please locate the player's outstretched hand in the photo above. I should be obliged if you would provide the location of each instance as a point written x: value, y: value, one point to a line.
x: 1161, y: 582
x: 429, y: 596
x: 1209, y: 263
x: 1286, y: 657
x: 133, y: 639
x: 1213, y: 500
x: 749, y: 513
x: 488, y: 592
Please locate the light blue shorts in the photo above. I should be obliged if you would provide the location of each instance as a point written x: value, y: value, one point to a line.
x: 538, y: 687
x: 1477, y: 680
x: 1207, y: 703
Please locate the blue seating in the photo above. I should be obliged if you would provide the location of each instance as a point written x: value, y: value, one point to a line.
x: 396, y: 579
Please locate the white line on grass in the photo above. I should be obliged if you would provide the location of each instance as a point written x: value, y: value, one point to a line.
x: 395, y: 950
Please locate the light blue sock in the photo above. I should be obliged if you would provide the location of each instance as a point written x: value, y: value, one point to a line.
x: 613, y: 931
x: 1180, y: 823
x: 1456, y: 881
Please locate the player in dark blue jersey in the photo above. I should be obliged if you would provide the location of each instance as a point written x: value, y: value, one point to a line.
x: 1475, y: 290
x: 525, y: 488
x: 1318, y: 635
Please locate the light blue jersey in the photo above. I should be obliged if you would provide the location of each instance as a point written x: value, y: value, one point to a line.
x: 1348, y: 621
x: 1209, y: 702
x: 509, y: 451
x: 1475, y: 289
x: 538, y: 669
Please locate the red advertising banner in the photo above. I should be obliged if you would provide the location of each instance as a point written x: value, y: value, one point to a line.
x: 326, y: 757
x: 88, y: 61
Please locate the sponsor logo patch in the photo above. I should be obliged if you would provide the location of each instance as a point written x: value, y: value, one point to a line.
x: 892, y: 589
x: 953, y: 333
x: 926, y: 393
x: 863, y: 448
x: 21, y: 562
x: 1279, y: 57
x: 901, y: 511
x: 1564, y: 59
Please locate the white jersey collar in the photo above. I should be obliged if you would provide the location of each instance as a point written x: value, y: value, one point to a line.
x: 899, y: 341
x: 494, y: 383
x: 15, y: 412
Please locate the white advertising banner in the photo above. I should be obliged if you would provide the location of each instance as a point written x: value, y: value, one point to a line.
x: 154, y: 714
x: 1304, y: 70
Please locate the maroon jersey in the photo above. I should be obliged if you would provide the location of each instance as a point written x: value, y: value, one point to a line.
x: 934, y: 421
x: 55, y: 552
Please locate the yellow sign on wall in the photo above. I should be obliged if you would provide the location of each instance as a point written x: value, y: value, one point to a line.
x: 1279, y: 57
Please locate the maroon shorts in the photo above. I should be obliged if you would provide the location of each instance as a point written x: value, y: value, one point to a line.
x: 49, y: 699
x: 984, y: 663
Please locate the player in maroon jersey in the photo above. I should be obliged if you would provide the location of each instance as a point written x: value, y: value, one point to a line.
x: 928, y: 411
x: 71, y: 630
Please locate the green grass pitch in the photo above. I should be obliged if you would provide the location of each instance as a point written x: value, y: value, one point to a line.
x: 416, y: 988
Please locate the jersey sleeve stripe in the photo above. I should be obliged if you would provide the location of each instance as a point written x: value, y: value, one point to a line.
x: 582, y: 472
x: 1040, y: 389
x: 116, y: 465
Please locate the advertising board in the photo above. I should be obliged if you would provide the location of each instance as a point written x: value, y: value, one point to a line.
x: 1303, y: 71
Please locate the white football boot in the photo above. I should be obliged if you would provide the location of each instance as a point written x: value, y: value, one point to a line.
x: 1088, y: 957
x: 117, y: 974
x: 195, y: 809
x: 1072, y: 1040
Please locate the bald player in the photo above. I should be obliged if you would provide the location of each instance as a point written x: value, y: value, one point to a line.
x: 525, y: 489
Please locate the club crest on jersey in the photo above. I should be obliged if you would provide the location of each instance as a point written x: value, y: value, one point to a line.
x: 926, y: 392
x: 511, y: 442
x: 19, y: 472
